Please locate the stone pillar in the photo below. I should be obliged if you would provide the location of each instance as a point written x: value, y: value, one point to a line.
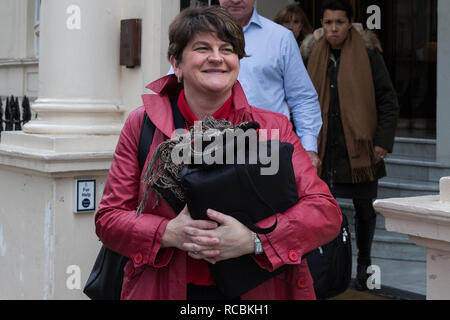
x: 443, y: 80
x: 427, y: 222
x: 79, y: 71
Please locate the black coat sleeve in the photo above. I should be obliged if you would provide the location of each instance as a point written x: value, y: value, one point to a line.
x: 386, y: 100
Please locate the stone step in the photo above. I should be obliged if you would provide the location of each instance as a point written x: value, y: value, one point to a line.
x: 386, y: 245
x: 394, y: 188
x: 412, y: 171
x: 400, y: 280
x: 415, y: 148
x: 404, y: 168
x: 403, y: 188
x: 394, y: 246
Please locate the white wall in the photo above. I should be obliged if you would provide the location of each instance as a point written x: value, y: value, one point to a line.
x: 40, y: 236
x: 159, y: 15
x: 18, y: 67
x: 131, y: 86
x: 156, y: 17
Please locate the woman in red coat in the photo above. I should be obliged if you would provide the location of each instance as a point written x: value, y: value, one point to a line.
x: 169, y: 250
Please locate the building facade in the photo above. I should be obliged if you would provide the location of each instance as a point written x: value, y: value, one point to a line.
x: 65, y: 56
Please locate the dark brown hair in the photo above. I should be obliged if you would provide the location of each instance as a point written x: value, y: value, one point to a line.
x: 291, y: 11
x: 215, y: 19
x: 334, y: 5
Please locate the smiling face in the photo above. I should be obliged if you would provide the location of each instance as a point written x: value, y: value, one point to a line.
x: 336, y: 26
x: 209, y: 66
x: 241, y: 10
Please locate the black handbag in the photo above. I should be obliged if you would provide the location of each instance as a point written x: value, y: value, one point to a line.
x: 105, y: 280
x: 331, y: 265
x: 241, y: 191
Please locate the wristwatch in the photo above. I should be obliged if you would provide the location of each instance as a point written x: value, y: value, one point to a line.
x: 258, y: 245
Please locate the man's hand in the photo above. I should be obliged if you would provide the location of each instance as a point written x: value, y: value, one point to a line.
x: 380, y: 153
x: 314, y: 158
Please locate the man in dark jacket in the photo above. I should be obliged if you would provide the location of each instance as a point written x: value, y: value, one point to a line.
x: 359, y: 110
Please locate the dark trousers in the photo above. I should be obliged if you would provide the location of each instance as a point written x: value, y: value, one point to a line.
x: 365, y: 224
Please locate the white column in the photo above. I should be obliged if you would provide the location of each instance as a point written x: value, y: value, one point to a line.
x: 79, y: 71
x: 443, y: 80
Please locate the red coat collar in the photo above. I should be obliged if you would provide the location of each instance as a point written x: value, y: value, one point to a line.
x: 222, y: 113
x: 159, y: 110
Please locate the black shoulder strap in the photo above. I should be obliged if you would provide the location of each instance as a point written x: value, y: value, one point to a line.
x: 148, y: 130
x: 145, y: 141
x: 177, y: 116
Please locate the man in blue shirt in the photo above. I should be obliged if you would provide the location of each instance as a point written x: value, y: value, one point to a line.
x: 274, y: 75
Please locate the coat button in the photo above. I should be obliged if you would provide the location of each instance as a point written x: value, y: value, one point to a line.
x: 301, y: 282
x: 137, y: 258
x: 130, y: 271
x: 293, y: 255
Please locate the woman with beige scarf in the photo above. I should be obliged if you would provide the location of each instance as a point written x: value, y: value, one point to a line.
x: 359, y: 111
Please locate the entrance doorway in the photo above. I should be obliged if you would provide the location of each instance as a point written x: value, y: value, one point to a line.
x: 409, y: 37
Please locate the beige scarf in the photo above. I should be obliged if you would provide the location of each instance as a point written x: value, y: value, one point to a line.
x: 356, y: 99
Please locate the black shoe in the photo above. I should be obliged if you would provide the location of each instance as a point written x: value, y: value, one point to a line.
x: 361, y: 278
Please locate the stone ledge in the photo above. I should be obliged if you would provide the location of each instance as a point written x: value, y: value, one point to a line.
x: 51, y: 145
x: 425, y: 217
x: 52, y: 162
x: 418, y: 208
x: 430, y: 243
x: 18, y: 62
x: 426, y: 220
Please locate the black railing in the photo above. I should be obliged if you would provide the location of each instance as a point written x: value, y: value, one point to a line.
x: 14, y: 119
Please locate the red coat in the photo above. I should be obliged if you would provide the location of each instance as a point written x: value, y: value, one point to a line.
x: 155, y: 273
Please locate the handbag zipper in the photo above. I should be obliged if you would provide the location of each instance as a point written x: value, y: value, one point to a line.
x: 344, y: 235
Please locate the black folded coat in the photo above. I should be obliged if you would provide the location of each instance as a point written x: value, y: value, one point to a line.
x: 241, y: 191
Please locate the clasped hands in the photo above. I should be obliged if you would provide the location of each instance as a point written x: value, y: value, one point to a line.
x: 221, y: 239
